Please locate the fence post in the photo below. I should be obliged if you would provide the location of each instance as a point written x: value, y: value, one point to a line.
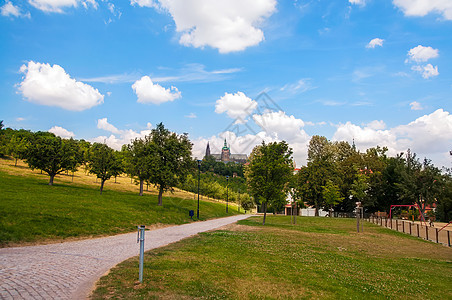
x: 417, y: 225
x: 410, y: 228
x: 436, y: 229
x: 403, y: 226
x: 426, y: 232
x: 396, y: 225
x: 140, y: 239
x: 448, y: 238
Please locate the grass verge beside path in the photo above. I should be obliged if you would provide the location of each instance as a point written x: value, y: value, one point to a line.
x: 317, y: 258
x: 33, y: 211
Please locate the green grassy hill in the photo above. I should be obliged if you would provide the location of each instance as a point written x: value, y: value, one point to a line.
x: 32, y: 211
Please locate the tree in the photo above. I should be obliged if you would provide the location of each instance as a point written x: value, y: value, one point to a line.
x: 311, y: 179
x: 331, y: 195
x: 321, y: 167
x: 51, y: 154
x: 170, y: 159
x: 268, y: 173
x: 360, y: 188
x: 102, y: 162
x: 118, y: 166
x: 17, y: 145
x: 444, y: 207
x: 421, y: 182
x: 138, y: 158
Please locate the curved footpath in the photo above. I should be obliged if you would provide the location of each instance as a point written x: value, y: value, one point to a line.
x: 69, y: 270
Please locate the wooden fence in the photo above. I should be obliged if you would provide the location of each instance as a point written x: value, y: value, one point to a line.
x: 415, y: 229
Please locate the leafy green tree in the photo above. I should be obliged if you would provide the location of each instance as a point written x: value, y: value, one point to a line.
x: 360, y: 188
x: 138, y: 160
x: 246, y: 202
x: 321, y: 167
x: 170, y: 159
x: 422, y: 182
x: 50, y: 154
x: 444, y: 207
x: 17, y: 145
x: 118, y: 166
x: 331, y: 195
x: 102, y: 162
x: 268, y: 173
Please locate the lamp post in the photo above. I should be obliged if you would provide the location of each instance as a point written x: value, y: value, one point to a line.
x: 199, y: 176
x: 227, y: 192
x: 239, y: 201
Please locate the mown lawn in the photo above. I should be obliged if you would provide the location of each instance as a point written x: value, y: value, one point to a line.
x: 33, y: 211
x: 317, y: 258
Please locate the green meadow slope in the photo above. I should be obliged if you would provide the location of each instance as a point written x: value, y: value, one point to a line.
x: 31, y: 211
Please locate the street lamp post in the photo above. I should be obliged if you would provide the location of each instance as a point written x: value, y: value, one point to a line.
x: 199, y: 176
x: 227, y: 192
x: 239, y: 201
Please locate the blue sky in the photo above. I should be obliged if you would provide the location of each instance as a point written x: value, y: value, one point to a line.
x: 376, y: 72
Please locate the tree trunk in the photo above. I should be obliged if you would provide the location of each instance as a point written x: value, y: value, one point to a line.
x: 265, y: 211
x: 15, y: 163
x: 51, y: 179
x: 115, y: 179
x: 141, y: 187
x: 160, y: 195
x: 316, y: 214
x: 102, y: 185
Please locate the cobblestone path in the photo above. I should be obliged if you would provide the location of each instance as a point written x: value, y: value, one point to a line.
x: 69, y: 270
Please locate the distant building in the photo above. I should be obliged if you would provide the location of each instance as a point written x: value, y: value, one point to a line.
x: 226, y: 156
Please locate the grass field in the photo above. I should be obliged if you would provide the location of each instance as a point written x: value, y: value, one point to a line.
x: 317, y: 258
x: 31, y: 211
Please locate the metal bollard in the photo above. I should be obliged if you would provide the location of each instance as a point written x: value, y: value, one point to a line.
x: 140, y: 238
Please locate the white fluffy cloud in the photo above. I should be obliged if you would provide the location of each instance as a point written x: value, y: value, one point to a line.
x: 374, y: 43
x: 57, y: 6
x: 61, y: 132
x: 427, y: 71
x: 226, y: 25
x: 416, y: 106
x: 149, y: 92
x: 281, y: 126
x: 377, y: 125
x: 103, y: 124
x: 422, y: 54
x: 52, y: 86
x: 118, y: 137
x: 429, y: 136
x: 10, y: 10
x: 424, y: 7
x: 236, y: 106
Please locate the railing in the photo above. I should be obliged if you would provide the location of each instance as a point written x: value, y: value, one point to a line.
x: 415, y: 229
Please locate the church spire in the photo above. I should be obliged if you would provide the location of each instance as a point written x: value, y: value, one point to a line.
x: 207, y: 150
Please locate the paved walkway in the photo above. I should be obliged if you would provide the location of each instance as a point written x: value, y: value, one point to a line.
x: 69, y: 270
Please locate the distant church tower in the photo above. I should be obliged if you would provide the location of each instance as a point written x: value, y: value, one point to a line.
x: 225, y: 152
x: 208, y: 150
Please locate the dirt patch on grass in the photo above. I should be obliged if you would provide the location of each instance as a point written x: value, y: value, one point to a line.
x: 238, y: 227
